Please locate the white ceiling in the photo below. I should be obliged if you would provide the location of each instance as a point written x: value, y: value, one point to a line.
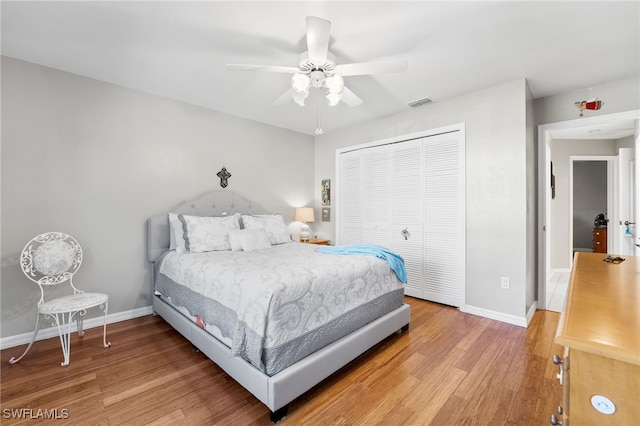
x: 180, y: 49
x: 604, y: 131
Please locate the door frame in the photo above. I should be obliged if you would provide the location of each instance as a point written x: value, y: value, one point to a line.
x: 612, y: 196
x: 545, y: 132
x: 626, y: 246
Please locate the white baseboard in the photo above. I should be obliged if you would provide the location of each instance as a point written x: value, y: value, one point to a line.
x: 561, y: 270
x: 500, y: 316
x: 47, y: 333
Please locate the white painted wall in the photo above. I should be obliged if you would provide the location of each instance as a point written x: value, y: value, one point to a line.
x: 497, y: 202
x: 96, y: 160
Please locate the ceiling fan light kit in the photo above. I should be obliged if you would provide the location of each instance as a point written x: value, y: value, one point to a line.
x: 301, y: 82
x: 317, y: 69
x: 299, y: 97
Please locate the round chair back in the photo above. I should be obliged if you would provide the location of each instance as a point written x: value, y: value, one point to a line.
x: 51, y: 258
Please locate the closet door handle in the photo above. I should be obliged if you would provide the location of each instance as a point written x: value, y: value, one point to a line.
x: 405, y: 233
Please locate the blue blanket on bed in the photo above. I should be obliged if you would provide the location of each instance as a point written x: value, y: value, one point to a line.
x: 396, y: 262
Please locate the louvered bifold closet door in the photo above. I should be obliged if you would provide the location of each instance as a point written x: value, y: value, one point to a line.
x: 444, y: 240
x: 406, y: 211
x: 375, y: 196
x: 350, y: 198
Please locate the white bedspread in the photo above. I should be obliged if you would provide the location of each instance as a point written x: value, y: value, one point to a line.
x: 283, y: 292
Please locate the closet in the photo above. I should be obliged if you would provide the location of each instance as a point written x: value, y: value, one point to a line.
x: 407, y: 194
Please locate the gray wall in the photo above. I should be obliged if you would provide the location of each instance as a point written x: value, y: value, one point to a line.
x: 532, y: 205
x: 618, y: 96
x: 501, y: 175
x: 561, y: 150
x: 499, y: 215
x: 95, y: 160
x: 589, y: 200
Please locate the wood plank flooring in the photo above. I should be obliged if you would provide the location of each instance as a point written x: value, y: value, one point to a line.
x: 451, y: 368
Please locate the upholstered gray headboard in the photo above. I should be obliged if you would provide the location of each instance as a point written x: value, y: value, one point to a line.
x: 215, y: 203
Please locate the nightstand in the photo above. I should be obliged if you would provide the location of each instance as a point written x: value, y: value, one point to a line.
x: 318, y: 242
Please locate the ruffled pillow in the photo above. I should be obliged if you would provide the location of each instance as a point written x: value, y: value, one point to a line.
x: 207, y: 233
x: 273, y: 225
x: 176, y: 239
x: 249, y: 240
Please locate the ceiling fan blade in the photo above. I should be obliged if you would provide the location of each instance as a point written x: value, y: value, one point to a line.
x: 284, y: 98
x: 350, y: 98
x: 364, y: 68
x: 267, y: 68
x: 318, y: 39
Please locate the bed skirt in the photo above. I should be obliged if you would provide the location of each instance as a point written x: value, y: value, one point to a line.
x: 280, y: 389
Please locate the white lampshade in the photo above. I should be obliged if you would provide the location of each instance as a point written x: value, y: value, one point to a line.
x: 334, y: 83
x: 333, y: 98
x: 299, y: 97
x: 300, y: 82
x: 304, y: 214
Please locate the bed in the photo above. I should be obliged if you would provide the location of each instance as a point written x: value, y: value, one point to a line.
x: 276, y: 315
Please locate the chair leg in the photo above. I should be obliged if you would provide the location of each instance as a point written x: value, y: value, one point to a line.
x: 80, y: 325
x: 64, y: 329
x: 13, y: 359
x: 104, y: 327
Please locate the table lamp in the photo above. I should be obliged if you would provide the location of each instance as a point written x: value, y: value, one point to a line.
x: 304, y: 215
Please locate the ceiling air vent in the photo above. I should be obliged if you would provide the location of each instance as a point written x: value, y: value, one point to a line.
x: 420, y: 102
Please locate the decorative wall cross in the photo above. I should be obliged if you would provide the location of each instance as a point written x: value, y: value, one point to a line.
x: 224, y: 175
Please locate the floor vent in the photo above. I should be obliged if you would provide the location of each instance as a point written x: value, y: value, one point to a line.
x: 420, y: 102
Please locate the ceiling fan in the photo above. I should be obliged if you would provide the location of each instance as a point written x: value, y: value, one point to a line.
x: 317, y: 69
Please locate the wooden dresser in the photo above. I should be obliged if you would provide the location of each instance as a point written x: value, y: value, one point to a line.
x: 600, y: 239
x: 600, y: 331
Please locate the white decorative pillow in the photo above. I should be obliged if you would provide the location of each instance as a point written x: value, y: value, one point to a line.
x: 206, y: 233
x: 234, y: 239
x: 273, y: 225
x: 176, y: 239
x: 249, y: 239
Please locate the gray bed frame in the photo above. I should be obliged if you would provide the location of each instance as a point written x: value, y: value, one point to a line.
x: 276, y: 391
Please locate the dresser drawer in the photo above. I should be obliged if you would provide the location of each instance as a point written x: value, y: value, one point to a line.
x: 600, y: 240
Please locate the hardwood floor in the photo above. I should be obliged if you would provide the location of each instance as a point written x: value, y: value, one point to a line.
x: 450, y: 368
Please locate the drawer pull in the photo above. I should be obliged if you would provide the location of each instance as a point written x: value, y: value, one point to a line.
x: 560, y: 376
x: 554, y: 420
x: 559, y: 361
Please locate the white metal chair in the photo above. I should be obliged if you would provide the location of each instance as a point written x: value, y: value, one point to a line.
x: 50, y: 259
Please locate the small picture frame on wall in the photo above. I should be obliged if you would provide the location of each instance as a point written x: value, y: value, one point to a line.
x: 326, y: 214
x: 553, y: 183
x: 325, y: 193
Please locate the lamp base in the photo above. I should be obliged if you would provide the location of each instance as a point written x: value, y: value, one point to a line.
x: 304, y: 232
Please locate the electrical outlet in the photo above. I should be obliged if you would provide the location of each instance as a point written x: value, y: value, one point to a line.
x: 505, y: 282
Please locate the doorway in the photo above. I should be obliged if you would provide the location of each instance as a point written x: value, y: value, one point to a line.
x: 592, y: 193
x: 606, y: 127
